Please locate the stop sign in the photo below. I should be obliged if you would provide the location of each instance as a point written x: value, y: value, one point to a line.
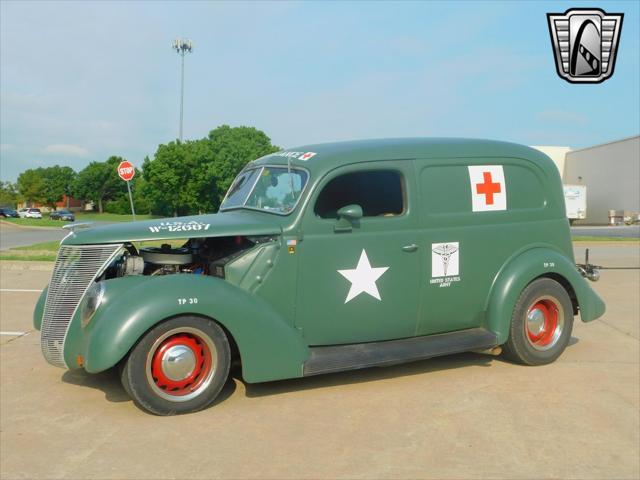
x: 126, y: 170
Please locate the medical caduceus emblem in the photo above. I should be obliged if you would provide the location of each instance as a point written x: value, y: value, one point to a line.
x: 585, y: 43
x: 445, y: 250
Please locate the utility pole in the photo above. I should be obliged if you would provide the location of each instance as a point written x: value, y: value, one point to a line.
x: 182, y: 46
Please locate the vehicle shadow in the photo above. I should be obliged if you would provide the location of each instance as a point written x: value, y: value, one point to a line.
x: 372, y: 374
x: 109, y: 383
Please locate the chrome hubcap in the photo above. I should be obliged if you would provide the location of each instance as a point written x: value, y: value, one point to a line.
x: 544, y: 323
x: 181, y: 364
x: 178, y: 362
x: 535, y: 321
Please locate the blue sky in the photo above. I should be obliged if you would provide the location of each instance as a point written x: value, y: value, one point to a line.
x: 80, y: 81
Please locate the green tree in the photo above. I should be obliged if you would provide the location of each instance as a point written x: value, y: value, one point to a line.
x: 121, y: 205
x: 9, y: 195
x: 171, y: 178
x: 193, y: 176
x: 232, y: 149
x: 99, y: 182
x: 31, y: 185
x: 58, y: 181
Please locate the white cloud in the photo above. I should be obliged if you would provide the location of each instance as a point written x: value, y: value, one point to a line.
x: 71, y: 150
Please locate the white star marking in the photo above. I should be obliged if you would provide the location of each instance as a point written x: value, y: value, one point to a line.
x: 363, y: 278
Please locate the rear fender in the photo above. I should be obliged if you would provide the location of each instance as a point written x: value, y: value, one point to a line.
x: 270, y: 348
x: 522, y: 270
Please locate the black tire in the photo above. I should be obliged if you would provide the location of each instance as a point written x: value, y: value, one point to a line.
x: 170, y: 348
x: 543, y: 300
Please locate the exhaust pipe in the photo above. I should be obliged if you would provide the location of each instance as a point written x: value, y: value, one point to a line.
x: 494, y: 351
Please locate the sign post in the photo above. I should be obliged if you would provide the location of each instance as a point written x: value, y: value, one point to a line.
x: 126, y: 171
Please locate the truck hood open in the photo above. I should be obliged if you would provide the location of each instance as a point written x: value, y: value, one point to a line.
x: 213, y: 225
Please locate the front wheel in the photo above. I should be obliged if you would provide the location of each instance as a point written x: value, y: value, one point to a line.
x: 541, y: 323
x: 179, y: 366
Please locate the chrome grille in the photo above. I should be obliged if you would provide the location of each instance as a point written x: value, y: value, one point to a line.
x: 75, y: 270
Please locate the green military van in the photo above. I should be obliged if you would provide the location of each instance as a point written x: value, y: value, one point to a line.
x: 325, y: 258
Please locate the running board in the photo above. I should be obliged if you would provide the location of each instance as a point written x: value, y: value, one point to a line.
x: 363, y: 355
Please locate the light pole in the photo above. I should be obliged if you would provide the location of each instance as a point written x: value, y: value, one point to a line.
x: 182, y: 46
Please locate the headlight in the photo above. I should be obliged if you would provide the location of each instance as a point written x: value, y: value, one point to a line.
x: 92, y: 300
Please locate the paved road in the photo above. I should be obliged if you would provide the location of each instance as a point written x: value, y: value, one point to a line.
x: 627, y: 231
x: 463, y: 416
x: 13, y: 236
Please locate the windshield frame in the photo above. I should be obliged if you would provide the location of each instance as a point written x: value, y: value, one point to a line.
x: 261, y: 168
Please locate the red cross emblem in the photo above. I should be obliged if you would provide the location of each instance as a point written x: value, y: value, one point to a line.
x: 488, y: 188
x: 307, y: 156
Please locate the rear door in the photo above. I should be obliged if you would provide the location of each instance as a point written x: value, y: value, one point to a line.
x: 475, y: 214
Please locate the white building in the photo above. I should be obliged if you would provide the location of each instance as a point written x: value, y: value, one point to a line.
x: 611, y: 173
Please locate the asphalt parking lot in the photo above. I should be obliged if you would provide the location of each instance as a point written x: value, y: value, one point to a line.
x: 463, y: 416
x: 16, y: 236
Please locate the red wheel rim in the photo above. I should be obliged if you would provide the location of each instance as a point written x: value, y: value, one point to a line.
x: 197, y: 350
x: 542, y: 323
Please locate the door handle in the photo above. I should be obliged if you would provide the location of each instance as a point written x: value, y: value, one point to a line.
x: 410, y: 248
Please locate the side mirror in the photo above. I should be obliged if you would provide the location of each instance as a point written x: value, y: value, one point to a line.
x: 347, y: 217
x: 351, y: 212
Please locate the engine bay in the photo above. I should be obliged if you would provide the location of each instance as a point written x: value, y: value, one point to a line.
x: 198, y: 256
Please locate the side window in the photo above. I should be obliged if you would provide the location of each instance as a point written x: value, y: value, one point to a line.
x: 530, y: 190
x: 378, y: 192
x: 445, y: 189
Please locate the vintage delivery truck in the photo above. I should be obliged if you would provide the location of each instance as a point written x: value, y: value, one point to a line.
x: 325, y: 258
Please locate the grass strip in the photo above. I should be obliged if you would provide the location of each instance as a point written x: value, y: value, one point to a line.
x: 29, y: 258
x: 34, y: 222
x: 52, y: 246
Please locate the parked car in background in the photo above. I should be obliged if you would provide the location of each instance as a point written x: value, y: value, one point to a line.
x: 33, y: 213
x: 62, y: 214
x: 22, y: 213
x: 8, y: 213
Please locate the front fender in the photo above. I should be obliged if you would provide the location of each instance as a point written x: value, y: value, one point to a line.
x: 269, y: 346
x: 522, y: 270
x: 38, y: 311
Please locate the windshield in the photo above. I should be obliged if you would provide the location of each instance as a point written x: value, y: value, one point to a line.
x: 271, y: 189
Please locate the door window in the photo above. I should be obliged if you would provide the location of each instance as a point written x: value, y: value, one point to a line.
x: 380, y: 193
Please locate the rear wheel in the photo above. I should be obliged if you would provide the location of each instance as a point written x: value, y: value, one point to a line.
x: 179, y: 366
x: 541, y: 323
